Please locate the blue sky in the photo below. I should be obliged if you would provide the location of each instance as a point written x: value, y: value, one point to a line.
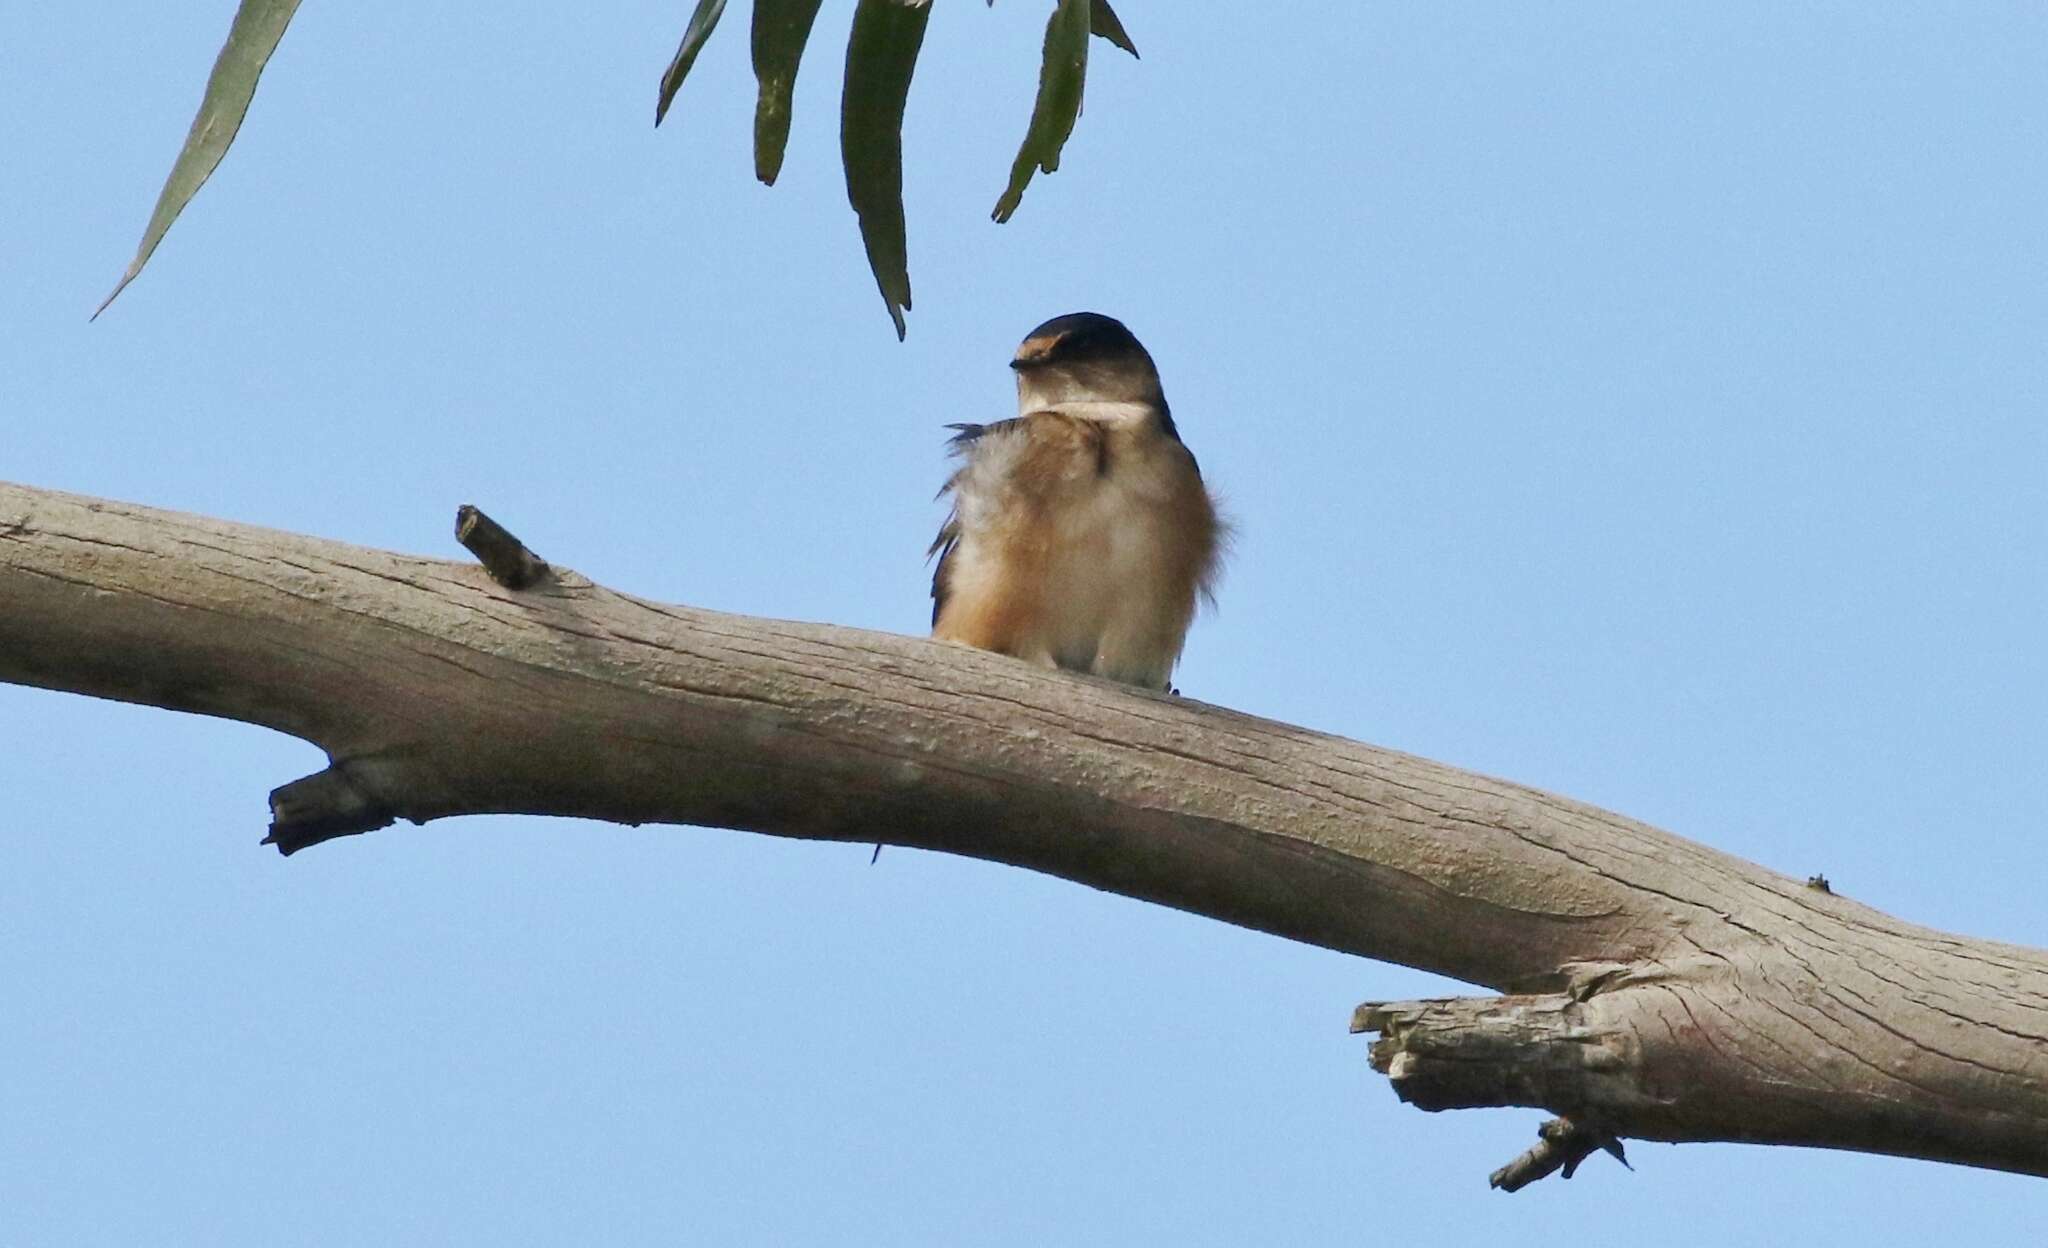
x: 1641, y: 402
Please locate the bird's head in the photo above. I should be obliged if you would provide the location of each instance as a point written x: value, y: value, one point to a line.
x: 1084, y: 357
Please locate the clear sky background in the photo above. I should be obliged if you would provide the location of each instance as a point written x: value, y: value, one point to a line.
x: 1643, y: 402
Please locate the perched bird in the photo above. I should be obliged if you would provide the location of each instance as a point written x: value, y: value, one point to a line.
x: 1081, y: 534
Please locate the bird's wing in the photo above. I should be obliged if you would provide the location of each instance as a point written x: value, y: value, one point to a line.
x: 1017, y: 458
x: 961, y: 446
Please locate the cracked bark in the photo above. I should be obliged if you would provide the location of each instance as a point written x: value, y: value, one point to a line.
x: 1655, y: 989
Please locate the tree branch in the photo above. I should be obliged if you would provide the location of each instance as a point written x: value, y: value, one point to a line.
x: 504, y: 556
x: 1663, y: 990
x: 1560, y: 1147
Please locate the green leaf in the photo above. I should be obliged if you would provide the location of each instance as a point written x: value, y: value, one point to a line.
x: 702, y: 23
x: 258, y: 25
x: 1103, y: 23
x: 1060, y: 79
x: 781, y: 28
x: 881, y: 54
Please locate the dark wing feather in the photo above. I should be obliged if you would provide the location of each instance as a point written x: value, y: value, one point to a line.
x: 960, y: 446
x: 942, y: 546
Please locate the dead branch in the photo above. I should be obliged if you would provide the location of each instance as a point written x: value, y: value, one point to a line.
x: 1658, y: 989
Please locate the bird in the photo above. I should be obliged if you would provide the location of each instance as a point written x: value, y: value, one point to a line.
x: 1081, y: 534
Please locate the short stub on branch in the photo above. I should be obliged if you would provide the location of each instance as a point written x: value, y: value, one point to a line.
x: 504, y: 556
x: 1560, y: 1146
x: 1537, y: 1051
x: 319, y: 808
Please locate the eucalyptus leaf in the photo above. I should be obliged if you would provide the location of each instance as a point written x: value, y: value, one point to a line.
x: 257, y: 27
x: 702, y: 23
x: 1060, y: 81
x: 781, y: 28
x: 1104, y: 23
x: 881, y: 55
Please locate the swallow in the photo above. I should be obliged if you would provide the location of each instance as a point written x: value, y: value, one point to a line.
x: 1081, y: 534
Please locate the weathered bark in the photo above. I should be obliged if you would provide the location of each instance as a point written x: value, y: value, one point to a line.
x: 1664, y: 991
